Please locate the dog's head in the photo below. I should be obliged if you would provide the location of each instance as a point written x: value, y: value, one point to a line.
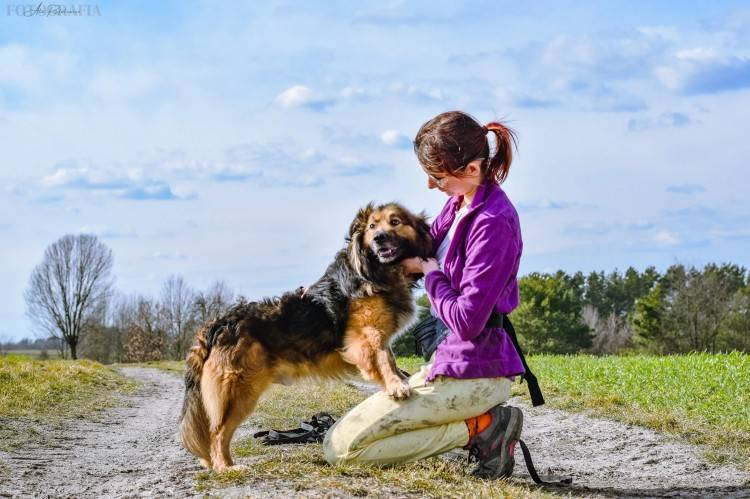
x: 387, y: 234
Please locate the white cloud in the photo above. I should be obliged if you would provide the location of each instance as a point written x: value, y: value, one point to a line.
x: 704, y: 70
x: 418, y: 92
x: 106, y: 232
x: 175, y: 255
x: 296, y: 96
x: 114, y: 180
x: 668, y: 33
x: 395, y: 138
x: 666, y: 238
x: 353, y: 92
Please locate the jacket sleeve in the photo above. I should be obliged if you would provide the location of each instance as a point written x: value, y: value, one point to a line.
x: 492, y: 249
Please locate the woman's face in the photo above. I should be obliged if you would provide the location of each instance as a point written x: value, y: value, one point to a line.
x: 457, y: 185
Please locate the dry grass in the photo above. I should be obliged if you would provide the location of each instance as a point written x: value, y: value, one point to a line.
x: 304, y: 467
x: 34, y: 392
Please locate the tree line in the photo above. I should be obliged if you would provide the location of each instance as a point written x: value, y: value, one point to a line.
x: 684, y: 309
x: 71, y: 298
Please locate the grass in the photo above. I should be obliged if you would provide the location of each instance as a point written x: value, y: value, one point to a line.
x: 702, y: 397
x: 304, y: 468
x: 175, y: 366
x: 34, y: 391
x: 51, y: 353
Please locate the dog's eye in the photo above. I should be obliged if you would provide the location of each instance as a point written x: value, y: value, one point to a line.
x: 395, y: 221
x: 371, y: 226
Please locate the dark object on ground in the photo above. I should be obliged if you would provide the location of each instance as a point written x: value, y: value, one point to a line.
x: 310, y: 431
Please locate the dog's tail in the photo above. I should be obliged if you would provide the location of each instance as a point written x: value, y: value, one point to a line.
x: 194, y: 426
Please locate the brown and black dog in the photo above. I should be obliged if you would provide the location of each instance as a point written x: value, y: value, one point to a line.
x: 342, y: 325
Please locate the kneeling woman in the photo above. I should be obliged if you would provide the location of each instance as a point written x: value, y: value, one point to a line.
x: 457, y: 398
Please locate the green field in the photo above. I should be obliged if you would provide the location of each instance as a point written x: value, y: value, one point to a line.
x: 702, y: 397
x: 35, y: 354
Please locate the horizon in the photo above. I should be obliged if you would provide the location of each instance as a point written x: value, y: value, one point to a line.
x: 237, y: 145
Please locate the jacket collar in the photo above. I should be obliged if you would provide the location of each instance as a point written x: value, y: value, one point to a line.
x: 483, y: 192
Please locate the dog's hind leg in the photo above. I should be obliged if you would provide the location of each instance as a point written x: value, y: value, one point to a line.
x: 229, y: 396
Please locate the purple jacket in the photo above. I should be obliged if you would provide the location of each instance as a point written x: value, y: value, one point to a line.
x: 479, y: 277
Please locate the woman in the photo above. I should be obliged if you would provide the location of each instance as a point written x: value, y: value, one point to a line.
x: 457, y: 398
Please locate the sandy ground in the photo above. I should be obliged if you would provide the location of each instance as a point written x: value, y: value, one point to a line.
x: 133, y: 451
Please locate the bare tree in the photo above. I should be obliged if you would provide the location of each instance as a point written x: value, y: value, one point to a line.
x: 611, y: 333
x: 213, y: 302
x: 176, y: 306
x: 69, y: 286
x: 146, y: 338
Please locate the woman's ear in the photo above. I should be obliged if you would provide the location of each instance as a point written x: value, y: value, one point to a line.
x: 474, y: 169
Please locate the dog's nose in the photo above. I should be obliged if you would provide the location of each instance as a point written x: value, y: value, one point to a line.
x: 379, y: 236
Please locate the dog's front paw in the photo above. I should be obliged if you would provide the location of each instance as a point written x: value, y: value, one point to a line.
x: 398, y: 391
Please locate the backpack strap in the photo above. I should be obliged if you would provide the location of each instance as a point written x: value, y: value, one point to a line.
x: 549, y: 478
x: 502, y: 320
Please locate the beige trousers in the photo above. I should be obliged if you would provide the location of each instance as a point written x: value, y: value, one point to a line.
x: 383, y: 431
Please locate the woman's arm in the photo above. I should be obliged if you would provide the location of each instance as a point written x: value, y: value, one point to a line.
x: 491, y: 259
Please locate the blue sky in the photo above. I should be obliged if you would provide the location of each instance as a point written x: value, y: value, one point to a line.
x: 235, y: 142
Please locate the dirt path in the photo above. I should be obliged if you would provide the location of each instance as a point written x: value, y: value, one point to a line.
x: 129, y: 451
x: 611, y: 459
x: 132, y: 451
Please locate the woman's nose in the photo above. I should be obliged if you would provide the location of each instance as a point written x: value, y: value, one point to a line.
x: 431, y: 183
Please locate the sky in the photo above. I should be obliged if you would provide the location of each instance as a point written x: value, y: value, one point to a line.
x: 235, y: 142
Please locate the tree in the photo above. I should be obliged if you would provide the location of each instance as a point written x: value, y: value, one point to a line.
x: 735, y: 334
x: 146, y: 338
x: 612, y: 334
x: 405, y: 344
x: 213, y: 302
x: 73, y: 279
x: 549, y: 317
x: 688, y: 308
x: 617, y: 294
x: 177, y: 307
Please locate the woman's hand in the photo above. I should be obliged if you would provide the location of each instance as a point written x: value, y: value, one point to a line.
x: 417, y: 265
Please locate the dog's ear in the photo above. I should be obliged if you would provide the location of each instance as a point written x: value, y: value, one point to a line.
x: 424, y: 244
x: 356, y: 249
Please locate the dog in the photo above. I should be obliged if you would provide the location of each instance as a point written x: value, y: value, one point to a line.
x: 340, y: 326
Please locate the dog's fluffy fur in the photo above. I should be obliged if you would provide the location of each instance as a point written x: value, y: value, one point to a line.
x: 342, y: 325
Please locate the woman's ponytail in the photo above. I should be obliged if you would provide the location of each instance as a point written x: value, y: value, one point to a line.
x: 452, y: 140
x: 499, y: 164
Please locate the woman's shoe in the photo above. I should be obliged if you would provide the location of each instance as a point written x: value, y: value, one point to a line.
x: 494, y: 446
